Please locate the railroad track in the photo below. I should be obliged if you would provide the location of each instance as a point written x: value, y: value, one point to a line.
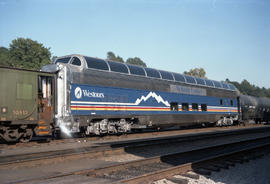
x: 158, y: 165
x: 189, y: 164
x: 37, y: 141
x: 118, y: 147
x: 201, y: 161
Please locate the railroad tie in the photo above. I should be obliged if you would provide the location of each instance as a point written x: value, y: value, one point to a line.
x: 229, y: 163
x: 220, y: 165
x: 202, y: 171
x: 211, y: 168
x: 178, y: 180
x: 192, y: 175
x: 237, y: 160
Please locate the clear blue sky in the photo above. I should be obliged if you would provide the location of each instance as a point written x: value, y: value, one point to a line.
x: 228, y: 38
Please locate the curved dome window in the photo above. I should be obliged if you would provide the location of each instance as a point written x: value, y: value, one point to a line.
x: 76, y: 61
x: 136, y: 70
x: 217, y: 84
x: 200, y: 81
x: 63, y: 60
x: 224, y: 85
x: 231, y: 86
x: 95, y: 63
x: 179, y: 77
x: 152, y: 73
x: 209, y: 83
x: 166, y: 75
x: 118, y: 67
x: 190, y: 79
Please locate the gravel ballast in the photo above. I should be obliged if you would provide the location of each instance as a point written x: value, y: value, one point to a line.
x: 255, y: 171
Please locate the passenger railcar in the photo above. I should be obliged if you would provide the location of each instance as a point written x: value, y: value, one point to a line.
x: 80, y: 94
x: 26, y: 104
x: 97, y: 96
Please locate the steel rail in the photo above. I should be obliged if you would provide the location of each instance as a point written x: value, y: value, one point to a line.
x: 119, y: 147
x: 184, y: 168
x: 181, y: 168
x: 153, y: 176
x: 38, y: 141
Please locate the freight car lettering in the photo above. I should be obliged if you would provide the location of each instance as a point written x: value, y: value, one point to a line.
x: 20, y: 112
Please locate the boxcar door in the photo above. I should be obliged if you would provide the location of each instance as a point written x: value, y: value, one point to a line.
x: 45, y: 104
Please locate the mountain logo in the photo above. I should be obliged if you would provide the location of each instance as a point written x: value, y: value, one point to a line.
x: 158, y: 98
x: 78, y: 92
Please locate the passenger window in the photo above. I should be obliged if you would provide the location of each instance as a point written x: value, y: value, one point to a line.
x: 195, y: 107
x: 209, y: 83
x: 221, y: 102
x: 231, y: 87
x: 179, y: 77
x: 63, y: 60
x: 200, y: 81
x: 190, y: 79
x: 166, y: 75
x: 76, y: 61
x: 96, y: 63
x: 185, y: 107
x: 224, y: 85
x: 174, y: 106
x: 118, y: 67
x: 231, y: 102
x: 136, y: 70
x: 204, y: 107
x: 217, y: 84
x: 152, y: 73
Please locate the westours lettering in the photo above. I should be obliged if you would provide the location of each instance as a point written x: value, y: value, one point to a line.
x: 92, y: 94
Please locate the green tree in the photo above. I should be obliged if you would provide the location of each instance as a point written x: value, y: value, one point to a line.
x: 136, y: 61
x: 111, y: 56
x: 28, y: 54
x: 247, y: 88
x: 4, y: 57
x: 196, y: 72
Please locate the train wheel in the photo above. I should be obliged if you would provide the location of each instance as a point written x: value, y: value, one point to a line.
x: 11, y: 134
x: 27, y: 135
